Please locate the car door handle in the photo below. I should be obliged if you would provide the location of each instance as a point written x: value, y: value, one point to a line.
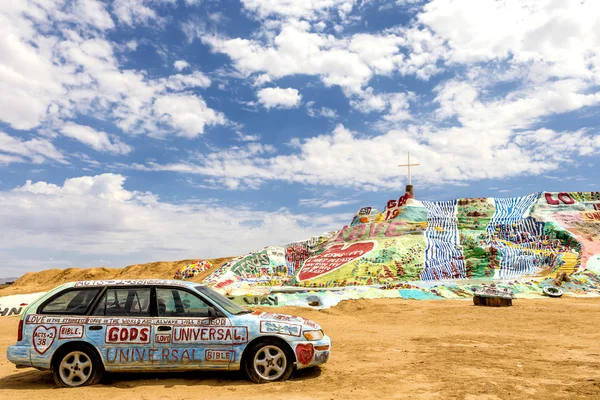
x: 95, y: 327
x: 164, y: 328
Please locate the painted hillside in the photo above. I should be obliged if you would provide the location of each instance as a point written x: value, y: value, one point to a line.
x: 411, y: 249
x: 412, y: 243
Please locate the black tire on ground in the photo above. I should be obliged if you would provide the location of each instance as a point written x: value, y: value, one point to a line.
x: 268, y: 361
x: 77, y: 365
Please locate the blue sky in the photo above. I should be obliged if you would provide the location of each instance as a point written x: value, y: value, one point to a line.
x: 141, y: 130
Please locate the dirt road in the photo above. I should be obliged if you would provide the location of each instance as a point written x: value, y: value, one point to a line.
x: 387, y: 349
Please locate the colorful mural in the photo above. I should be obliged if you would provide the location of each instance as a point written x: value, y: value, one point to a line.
x: 418, y: 243
x: 193, y: 269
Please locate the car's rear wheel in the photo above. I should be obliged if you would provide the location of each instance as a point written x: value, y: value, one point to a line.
x: 268, y: 361
x: 77, y: 366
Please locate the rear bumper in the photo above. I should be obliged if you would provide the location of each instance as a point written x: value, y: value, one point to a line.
x: 312, y: 353
x: 19, y: 355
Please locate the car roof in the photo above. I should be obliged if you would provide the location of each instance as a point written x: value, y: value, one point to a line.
x: 133, y: 282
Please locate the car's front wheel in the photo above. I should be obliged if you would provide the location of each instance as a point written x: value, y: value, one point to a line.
x: 77, y: 366
x: 268, y: 361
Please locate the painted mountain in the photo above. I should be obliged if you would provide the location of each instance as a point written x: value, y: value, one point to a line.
x: 538, y: 235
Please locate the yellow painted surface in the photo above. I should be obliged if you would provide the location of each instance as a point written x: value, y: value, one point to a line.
x: 570, y: 260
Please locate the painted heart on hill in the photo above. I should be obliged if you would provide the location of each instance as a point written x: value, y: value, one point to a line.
x: 43, y: 338
x: 335, y: 257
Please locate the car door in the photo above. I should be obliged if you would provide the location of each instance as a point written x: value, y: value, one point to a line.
x: 121, y: 325
x: 186, y: 337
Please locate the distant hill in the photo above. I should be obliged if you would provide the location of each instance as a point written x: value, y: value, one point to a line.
x: 4, y: 281
x: 41, y: 281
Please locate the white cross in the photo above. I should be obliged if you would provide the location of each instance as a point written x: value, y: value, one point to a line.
x: 408, y: 165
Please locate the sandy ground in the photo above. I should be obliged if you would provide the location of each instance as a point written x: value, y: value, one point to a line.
x: 391, y: 348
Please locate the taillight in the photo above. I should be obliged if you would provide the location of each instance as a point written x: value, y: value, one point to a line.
x: 20, y: 333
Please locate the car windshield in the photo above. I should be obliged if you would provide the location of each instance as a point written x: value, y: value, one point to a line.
x: 223, y: 301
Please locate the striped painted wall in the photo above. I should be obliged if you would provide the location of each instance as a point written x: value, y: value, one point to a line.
x: 444, y: 258
x: 512, y: 216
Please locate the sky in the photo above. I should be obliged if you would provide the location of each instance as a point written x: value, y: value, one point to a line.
x: 134, y: 131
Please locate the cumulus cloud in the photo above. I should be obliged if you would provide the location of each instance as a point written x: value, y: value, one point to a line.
x: 54, y: 71
x: 350, y: 64
x: 277, y: 97
x: 451, y: 155
x: 307, y: 9
x: 89, y: 218
x: 37, y: 150
x: 187, y: 114
x: 559, y: 38
x: 97, y: 140
x: 325, y: 203
x: 133, y: 12
x: 94, y: 13
x: 181, y: 82
x: 180, y: 65
x: 325, y: 112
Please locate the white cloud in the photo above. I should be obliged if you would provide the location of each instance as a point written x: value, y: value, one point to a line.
x: 296, y: 51
x: 262, y: 79
x: 398, y: 107
x: 6, y: 159
x: 396, y: 104
x: 242, y: 137
x: 93, y: 12
x: 325, y: 203
x: 96, y: 217
x: 320, y: 26
x: 279, y: 98
x: 97, y: 140
x: 447, y: 155
x: 35, y: 150
x: 181, y: 82
x: 518, y: 109
x: 307, y: 9
x: 187, y: 114
x: 349, y: 64
x: 180, y: 65
x: 134, y: 12
x: 379, y: 52
x: 51, y: 74
x: 320, y: 112
x: 132, y: 45
x: 557, y: 38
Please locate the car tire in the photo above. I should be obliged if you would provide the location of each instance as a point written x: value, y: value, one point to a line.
x: 268, y: 361
x: 76, y: 366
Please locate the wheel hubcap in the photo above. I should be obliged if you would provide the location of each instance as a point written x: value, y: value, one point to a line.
x: 270, y: 363
x: 75, y: 368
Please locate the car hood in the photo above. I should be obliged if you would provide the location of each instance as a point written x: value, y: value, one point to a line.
x: 307, y: 324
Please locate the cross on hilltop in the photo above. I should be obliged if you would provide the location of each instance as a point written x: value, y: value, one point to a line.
x: 409, y: 188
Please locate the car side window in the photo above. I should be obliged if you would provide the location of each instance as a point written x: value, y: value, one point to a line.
x: 180, y: 303
x: 71, y: 302
x: 124, y: 302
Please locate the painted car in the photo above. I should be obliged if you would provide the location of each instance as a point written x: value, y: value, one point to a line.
x: 82, y: 329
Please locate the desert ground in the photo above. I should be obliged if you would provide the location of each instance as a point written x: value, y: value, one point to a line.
x: 387, y: 349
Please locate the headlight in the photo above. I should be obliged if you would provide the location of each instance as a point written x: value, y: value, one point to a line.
x: 313, y: 335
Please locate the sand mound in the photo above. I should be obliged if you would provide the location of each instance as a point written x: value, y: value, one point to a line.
x: 33, y: 282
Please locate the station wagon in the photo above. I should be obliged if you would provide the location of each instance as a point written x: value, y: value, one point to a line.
x: 82, y: 329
